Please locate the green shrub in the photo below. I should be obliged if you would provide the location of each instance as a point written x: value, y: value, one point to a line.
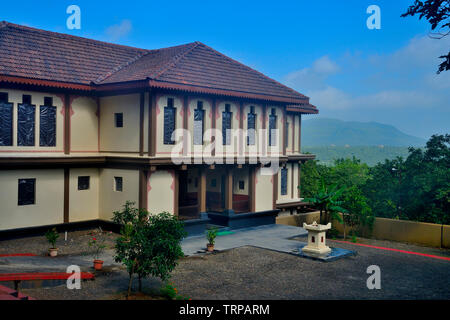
x: 149, y: 245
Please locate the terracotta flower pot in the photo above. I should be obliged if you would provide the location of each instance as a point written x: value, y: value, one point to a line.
x: 53, y: 252
x: 210, y: 247
x: 98, y: 264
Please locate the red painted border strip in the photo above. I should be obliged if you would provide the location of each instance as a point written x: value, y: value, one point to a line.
x: 42, y: 276
x: 396, y: 250
x: 18, y: 255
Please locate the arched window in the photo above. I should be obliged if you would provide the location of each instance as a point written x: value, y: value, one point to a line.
x: 6, y: 120
x: 272, y: 128
x: 169, y: 121
x: 227, y: 115
x: 199, y: 115
x: 251, y: 127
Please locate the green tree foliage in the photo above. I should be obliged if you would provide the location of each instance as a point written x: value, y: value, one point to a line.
x: 327, y: 200
x: 149, y: 244
x: 358, y: 214
x: 417, y: 188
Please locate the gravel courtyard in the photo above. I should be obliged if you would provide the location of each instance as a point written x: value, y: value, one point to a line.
x: 255, y: 273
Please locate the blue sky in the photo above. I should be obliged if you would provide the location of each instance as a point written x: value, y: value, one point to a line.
x: 322, y: 49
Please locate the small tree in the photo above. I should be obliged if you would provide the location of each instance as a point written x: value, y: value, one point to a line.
x: 149, y: 244
x: 358, y: 214
x: 327, y: 201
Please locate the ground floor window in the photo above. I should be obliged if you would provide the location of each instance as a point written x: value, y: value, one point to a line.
x: 27, y: 192
x: 83, y: 182
x: 118, y: 184
x: 284, y: 175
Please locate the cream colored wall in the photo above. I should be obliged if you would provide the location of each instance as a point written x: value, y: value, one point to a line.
x: 84, y: 125
x: 111, y: 200
x: 234, y: 108
x: 290, y: 144
x: 264, y: 191
x: 297, y: 133
x: 146, y: 118
x: 160, y: 189
x: 48, y: 208
x: 84, y: 204
x: 125, y: 139
x: 37, y: 99
x: 161, y: 102
x: 192, y: 105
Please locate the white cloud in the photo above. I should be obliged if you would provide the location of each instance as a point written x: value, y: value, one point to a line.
x: 313, y: 77
x: 405, y: 78
x: 120, y: 30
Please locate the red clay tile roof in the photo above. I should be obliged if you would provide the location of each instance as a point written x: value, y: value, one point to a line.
x: 38, y: 54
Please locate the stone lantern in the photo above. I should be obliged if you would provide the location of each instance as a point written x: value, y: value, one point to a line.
x: 316, y: 239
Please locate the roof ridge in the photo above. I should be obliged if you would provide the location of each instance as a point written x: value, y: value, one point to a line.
x: 120, y: 67
x: 175, y: 60
x: 19, y: 26
x: 256, y: 71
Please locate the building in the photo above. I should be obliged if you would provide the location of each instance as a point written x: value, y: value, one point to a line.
x: 87, y: 125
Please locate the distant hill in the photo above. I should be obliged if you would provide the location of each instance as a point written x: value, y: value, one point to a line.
x: 367, y: 154
x: 333, y: 132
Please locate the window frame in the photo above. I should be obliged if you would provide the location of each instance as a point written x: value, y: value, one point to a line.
x: 116, y: 184
x: 24, y: 202
x: 88, y: 183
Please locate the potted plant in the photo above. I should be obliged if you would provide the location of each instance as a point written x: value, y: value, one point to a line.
x: 52, y: 235
x: 211, y: 237
x: 98, y: 247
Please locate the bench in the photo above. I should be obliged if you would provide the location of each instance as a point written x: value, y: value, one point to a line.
x: 31, y: 276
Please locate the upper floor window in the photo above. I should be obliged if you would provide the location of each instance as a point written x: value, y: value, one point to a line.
x: 27, y: 192
x: 199, y: 114
x: 6, y: 120
x: 251, y: 127
x: 284, y: 177
x: 272, y: 128
x: 227, y: 116
x: 47, y: 124
x: 26, y: 122
x: 169, y: 121
x: 118, y: 120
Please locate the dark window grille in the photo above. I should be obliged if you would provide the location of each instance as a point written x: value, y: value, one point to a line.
x: 226, y: 125
x: 284, y: 175
x: 47, y: 125
x: 169, y: 122
x: 26, y: 122
x: 199, y: 114
x: 84, y: 182
x: 118, y: 119
x: 272, y: 128
x: 118, y: 184
x: 6, y: 120
x: 27, y: 192
x: 251, y: 127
